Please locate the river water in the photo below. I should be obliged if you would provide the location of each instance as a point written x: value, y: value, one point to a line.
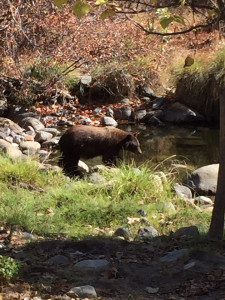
x: 196, y: 146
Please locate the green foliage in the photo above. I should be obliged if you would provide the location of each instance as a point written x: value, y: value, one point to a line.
x: 59, y: 3
x: 49, y: 203
x: 81, y: 8
x: 8, y: 267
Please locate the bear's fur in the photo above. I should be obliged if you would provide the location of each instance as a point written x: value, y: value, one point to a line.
x: 81, y: 141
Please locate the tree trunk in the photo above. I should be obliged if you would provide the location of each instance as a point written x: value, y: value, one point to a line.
x: 217, y: 222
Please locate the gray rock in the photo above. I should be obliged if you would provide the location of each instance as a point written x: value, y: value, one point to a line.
x: 175, y: 256
x: 83, y: 166
x: 204, y: 200
x: 51, y: 130
x: 59, y: 260
x: 123, y: 232
x: 43, y: 155
x: 96, y: 178
x: 123, y: 113
x: 7, y: 123
x: 159, y: 103
x: 51, y: 143
x: 92, y: 264
x: 86, y: 291
x: 147, y: 91
x: 154, y: 121
x: 190, y: 231
x: 43, y: 136
x: 109, y: 111
x: 168, y: 208
x: 125, y: 101
x: 139, y: 115
x: 204, y: 180
x: 85, y: 120
x: 33, y: 122
x: 12, y: 151
x: 32, y: 147
x: 86, y: 80
x: 147, y: 232
x: 108, y: 121
x: 182, y: 191
x: 18, y: 139
x: 179, y: 113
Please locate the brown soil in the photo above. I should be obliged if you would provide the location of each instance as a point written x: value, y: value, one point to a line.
x: 134, y: 266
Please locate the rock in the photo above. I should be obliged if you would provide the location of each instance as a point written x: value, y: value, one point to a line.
x: 108, y: 121
x: 51, y: 130
x: 123, y: 232
x: 168, y: 208
x: 62, y: 122
x: 43, y: 155
x: 18, y: 139
x: 51, y: 143
x: 204, y: 200
x: 125, y: 101
x: 86, y: 291
x: 147, y: 232
x: 32, y: 147
x: 109, y: 111
x: 123, y: 113
x: 83, y: 166
x: 33, y: 122
x: 98, y: 168
x: 28, y: 236
x: 92, y: 264
x: 28, y: 137
x: 139, y: 115
x: 204, y: 180
x: 9, y: 139
x: 86, y: 80
x: 97, y: 111
x: 142, y: 212
x: 154, y: 121
x: 43, y: 136
x: 85, y: 120
x: 96, y: 178
x: 175, y: 256
x: 182, y: 191
x: 179, y: 113
x: 152, y: 290
x: 7, y: 123
x: 190, y: 231
x: 146, y: 91
x: 159, y: 103
x: 12, y: 151
x: 59, y: 260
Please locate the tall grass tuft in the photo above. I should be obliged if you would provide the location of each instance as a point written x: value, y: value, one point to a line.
x: 51, y: 203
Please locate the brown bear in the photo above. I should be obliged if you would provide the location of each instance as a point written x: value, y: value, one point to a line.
x: 82, y: 141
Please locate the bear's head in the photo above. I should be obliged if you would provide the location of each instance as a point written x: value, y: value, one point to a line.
x: 132, y: 144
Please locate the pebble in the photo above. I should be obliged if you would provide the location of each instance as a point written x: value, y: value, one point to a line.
x: 83, y: 291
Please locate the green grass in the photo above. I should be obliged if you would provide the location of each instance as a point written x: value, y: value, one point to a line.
x: 50, y: 203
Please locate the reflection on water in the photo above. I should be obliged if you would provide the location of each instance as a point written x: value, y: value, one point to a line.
x: 197, y: 146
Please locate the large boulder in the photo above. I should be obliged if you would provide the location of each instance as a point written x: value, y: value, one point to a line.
x: 12, y: 151
x: 33, y: 122
x: 204, y: 180
x: 179, y: 113
x: 7, y: 123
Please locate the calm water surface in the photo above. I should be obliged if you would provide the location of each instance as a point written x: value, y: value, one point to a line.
x: 197, y: 146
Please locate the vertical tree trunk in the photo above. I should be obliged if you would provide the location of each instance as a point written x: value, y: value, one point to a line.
x: 217, y: 222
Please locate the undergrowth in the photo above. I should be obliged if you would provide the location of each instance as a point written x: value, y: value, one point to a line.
x: 200, y: 84
x: 51, y: 203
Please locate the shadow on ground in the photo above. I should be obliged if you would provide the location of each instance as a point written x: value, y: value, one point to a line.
x: 49, y: 267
